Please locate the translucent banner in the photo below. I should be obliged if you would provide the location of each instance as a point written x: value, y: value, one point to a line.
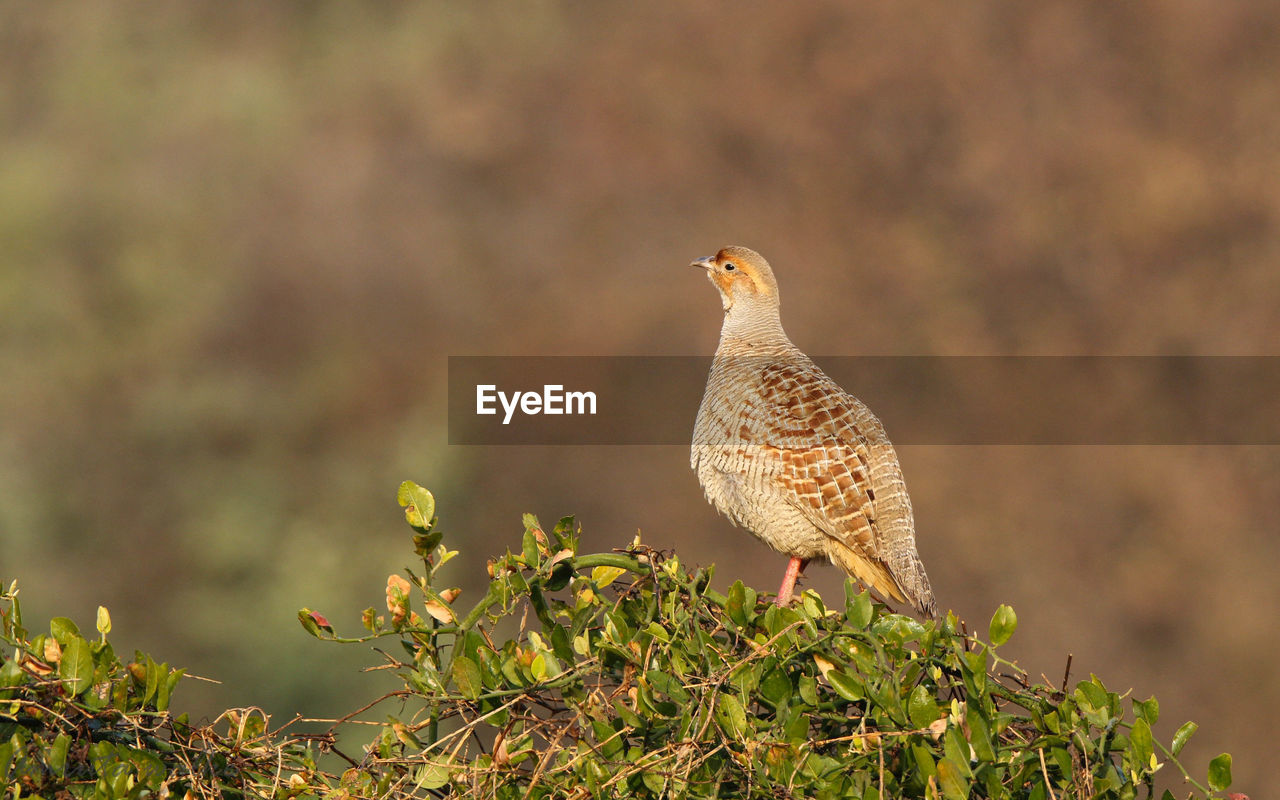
x: 1036, y: 400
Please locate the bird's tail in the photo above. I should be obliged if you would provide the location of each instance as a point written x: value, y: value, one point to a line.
x: 910, y: 586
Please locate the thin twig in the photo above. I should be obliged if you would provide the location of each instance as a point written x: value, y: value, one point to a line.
x: 1045, y: 770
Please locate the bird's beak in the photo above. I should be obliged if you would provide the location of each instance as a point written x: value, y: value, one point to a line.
x: 708, y: 263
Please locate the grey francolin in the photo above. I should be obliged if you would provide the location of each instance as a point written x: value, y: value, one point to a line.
x: 783, y: 451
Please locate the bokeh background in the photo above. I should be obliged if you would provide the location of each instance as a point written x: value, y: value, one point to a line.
x: 238, y: 241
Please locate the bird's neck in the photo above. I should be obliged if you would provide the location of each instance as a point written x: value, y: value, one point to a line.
x: 760, y: 326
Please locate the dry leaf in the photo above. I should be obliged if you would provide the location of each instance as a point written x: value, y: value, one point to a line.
x: 440, y: 612
x: 560, y: 556
x: 397, y: 595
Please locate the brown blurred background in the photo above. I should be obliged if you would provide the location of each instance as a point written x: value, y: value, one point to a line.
x: 238, y: 241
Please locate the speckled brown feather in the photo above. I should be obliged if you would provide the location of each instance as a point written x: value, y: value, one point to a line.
x: 783, y: 451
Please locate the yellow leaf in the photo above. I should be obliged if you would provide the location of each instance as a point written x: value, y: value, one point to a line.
x: 603, y: 576
x: 104, y: 620
x: 419, y: 505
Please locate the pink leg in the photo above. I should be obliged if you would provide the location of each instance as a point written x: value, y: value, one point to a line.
x: 794, y: 567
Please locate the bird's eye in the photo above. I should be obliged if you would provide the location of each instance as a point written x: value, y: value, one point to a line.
x: 729, y: 267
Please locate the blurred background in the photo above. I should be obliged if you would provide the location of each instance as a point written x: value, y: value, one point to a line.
x: 238, y: 242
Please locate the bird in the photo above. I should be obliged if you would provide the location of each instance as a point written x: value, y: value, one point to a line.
x: 782, y: 451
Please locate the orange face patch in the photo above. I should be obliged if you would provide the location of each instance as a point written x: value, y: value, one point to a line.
x: 744, y: 272
x: 723, y: 281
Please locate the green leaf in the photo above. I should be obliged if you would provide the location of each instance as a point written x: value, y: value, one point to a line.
x: 63, y: 630
x: 1184, y: 733
x: 424, y: 541
x: 564, y: 533
x: 607, y: 739
x: 846, y: 686
x: 57, y: 755
x: 736, y: 605
x: 954, y: 784
x: 1148, y: 709
x: 975, y: 673
x: 153, y: 679
x: 925, y: 765
x: 466, y: 676
x: 10, y: 675
x: 812, y: 604
x: 1220, y: 773
x: 776, y: 687
x: 7, y: 747
x: 1093, y: 694
x: 668, y: 684
x: 529, y: 547
x: 980, y: 736
x: 1141, y: 746
x: 627, y: 715
x: 433, y: 775
x: 1003, y: 623
x: 922, y: 707
x: 150, y: 769
x: 956, y: 748
x: 808, y: 690
x: 731, y: 716
x: 797, y: 730
x: 861, y: 611
x: 76, y: 667
x: 1062, y: 759
x: 560, y: 644
x: 117, y: 775
x: 167, y: 685
x: 419, y: 505
x: 653, y: 781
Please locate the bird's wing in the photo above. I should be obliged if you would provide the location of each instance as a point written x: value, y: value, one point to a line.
x: 841, y: 471
x: 826, y: 454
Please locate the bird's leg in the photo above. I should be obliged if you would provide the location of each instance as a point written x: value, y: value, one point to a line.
x: 794, y: 568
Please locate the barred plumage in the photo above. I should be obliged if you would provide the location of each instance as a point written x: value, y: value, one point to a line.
x: 783, y: 451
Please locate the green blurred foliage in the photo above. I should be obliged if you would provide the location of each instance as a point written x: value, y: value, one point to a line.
x: 237, y: 242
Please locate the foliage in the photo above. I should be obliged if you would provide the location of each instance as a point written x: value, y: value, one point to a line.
x: 603, y: 675
x: 76, y: 721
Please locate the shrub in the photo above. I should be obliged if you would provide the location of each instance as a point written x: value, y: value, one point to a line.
x: 603, y: 675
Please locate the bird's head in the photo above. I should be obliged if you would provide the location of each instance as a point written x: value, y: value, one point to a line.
x: 742, y: 276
